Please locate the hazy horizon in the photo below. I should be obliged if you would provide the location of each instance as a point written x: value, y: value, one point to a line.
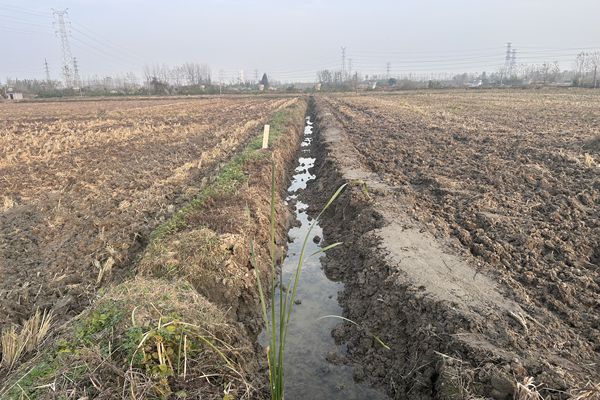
x: 291, y: 40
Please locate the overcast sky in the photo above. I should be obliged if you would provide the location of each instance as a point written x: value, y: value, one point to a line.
x: 293, y: 39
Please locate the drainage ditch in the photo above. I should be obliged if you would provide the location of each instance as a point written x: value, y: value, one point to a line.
x: 315, y: 367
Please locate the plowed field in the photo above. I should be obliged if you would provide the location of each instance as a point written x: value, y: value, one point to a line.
x: 82, y: 185
x: 511, y: 182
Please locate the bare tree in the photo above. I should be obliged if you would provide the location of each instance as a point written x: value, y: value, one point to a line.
x: 592, y: 64
x: 580, y: 65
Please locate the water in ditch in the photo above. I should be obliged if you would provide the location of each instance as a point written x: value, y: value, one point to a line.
x: 308, y: 373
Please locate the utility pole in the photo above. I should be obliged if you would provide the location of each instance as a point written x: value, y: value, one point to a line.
x: 387, y: 70
x: 47, y: 71
x: 63, y: 35
x: 581, y: 63
x: 595, y: 81
x: 349, y: 67
x: 343, y: 63
x: 220, y: 82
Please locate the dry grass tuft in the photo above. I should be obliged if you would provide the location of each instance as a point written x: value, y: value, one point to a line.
x: 588, y: 160
x: 36, y: 328
x: 527, y: 390
x: 104, y: 269
x: 590, y: 391
x: 13, y: 344
x: 16, y: 342
x: 143, y: 339
x: 7, y: 203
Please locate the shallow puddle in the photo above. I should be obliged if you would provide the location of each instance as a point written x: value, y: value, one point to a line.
x: 308, y: 373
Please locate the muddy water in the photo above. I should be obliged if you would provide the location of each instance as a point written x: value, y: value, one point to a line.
x: 309, y: 374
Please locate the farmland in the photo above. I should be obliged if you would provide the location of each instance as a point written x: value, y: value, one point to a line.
x: 466, y: 241
x: 84, y: 183
x: 499, y: 193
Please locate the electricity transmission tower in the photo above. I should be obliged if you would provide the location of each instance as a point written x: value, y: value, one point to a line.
x: 47, y: 71
x: 60, y: 26
x: 508, y: 56
x: 349, y: 67
x: 387, y: 70
x: 513, y: 59
x: 76, y: 78
x: 343, y: 62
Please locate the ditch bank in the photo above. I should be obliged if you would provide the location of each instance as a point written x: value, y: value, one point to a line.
x: 452, y: 332
x: 186, y: 325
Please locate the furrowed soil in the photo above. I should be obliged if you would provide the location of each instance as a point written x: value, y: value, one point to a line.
x: 83, y: 184
x: 471, y: 237
x: 177, y: 317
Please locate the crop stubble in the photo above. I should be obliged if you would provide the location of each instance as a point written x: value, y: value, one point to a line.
x: 84, y: 183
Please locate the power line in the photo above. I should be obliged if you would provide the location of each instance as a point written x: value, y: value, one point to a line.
x: 111, y: 52
x: 12, y: 8
x: 107, y: 46
x: 427, y: 52
x: 20, y: 22
x: 107, y: 57
x: 106, y: 42
x: 20, y: 31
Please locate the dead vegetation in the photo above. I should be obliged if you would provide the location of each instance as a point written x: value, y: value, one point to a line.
x: 175, y: 331
x: 17, y: 341
x: 83, y: 184
x: 207, y: 243
x: 142, y: 339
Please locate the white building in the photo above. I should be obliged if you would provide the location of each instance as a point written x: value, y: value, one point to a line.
x: 10, y: 95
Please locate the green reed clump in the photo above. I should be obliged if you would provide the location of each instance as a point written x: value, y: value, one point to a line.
x: 277, y: 322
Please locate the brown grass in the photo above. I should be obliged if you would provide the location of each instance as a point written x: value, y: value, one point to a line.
x: 145, y: 338
x: 527, y: 390
x: 93, y: 179
x: 590, y: 391
x: 176, y: 329
x: 18, y: 341
x: 7, y: 203
x: 588, y: 160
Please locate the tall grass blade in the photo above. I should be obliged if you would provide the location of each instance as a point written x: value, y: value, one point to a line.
x: 377, y: 339
x: 277, y: 322
x: 326, y: 248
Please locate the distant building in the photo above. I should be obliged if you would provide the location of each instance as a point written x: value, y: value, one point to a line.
x: 476, y: 84
x: 13, y: 95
